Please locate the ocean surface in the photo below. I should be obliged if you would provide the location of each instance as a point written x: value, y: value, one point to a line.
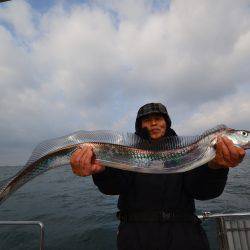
x: 77, y: 216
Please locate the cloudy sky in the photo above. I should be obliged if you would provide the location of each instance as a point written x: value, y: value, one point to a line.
x: 70, y: 65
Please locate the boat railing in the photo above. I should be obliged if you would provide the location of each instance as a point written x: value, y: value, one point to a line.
x: 233, y: 230
x: 25, y: 223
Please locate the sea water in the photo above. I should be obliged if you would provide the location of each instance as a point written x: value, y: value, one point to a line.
x: 77, y: 216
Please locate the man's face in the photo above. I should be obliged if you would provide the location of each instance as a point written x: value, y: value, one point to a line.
x: 156, y: 125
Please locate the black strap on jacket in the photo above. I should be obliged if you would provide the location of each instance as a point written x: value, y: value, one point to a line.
x: 156, y: 216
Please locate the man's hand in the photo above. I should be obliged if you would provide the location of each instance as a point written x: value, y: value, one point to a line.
x: 83, y: 162
x: 227, y: 154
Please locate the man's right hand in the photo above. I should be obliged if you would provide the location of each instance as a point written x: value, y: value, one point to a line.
x: 83, y: 162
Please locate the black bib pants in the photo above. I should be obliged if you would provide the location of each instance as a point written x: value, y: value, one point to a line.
x: 161, y: 236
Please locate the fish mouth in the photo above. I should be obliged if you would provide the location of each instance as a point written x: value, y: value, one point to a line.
x: 247, y: 146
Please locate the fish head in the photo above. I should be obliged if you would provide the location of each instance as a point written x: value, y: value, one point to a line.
x: 240, y: 138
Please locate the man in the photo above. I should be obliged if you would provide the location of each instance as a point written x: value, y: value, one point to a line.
x: 157, y: 211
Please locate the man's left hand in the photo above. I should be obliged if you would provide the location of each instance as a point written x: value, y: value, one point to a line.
x: 227, y: 154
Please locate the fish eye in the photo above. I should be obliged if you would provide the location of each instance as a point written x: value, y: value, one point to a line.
x: 244, y: 133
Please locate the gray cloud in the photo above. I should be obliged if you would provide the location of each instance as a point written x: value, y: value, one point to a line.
x: 91, y: 66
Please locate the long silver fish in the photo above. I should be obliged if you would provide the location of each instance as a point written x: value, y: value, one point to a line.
x: 126, y: 151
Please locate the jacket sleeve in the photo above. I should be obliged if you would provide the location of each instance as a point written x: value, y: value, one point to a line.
x: 113, y: 181
x: 204, y: 183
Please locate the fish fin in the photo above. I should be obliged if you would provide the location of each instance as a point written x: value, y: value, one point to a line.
x: 118, y: 138
x: 178, y: 142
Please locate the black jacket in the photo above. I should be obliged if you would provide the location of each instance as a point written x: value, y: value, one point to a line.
x: 170, y: 192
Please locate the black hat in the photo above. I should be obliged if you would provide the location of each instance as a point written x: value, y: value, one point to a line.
x: 149, y: 109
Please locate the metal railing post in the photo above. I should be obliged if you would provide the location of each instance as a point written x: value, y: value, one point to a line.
x: 233, y: 229
x: 25, y: 223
